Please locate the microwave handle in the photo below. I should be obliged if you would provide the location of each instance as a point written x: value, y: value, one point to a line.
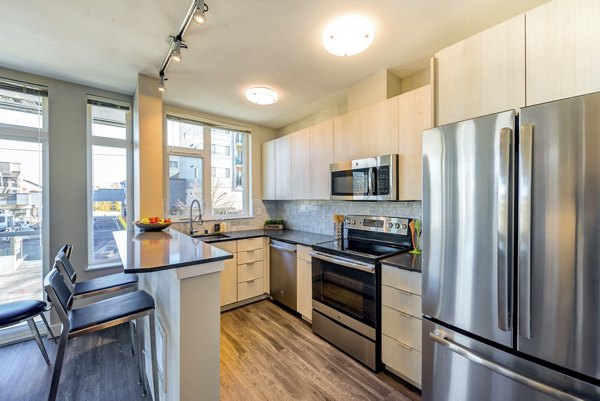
x: 372, y: 181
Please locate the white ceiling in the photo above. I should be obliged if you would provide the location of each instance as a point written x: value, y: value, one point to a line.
x: 276, y: 43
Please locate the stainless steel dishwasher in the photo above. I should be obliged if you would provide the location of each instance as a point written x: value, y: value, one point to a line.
x: 283, y: 272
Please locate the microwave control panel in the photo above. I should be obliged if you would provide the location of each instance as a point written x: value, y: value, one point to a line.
x: 383, y: 180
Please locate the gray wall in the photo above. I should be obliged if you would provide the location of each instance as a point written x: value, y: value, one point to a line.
x: 67, y: 170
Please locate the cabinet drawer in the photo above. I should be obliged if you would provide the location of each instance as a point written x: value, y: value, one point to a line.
x: 401, y: 300
x: 404, y: 360
x: 249, y: 244
x: 250, y: 271
x: 401, y: 327
x: 250, y: 256
x: 304, y: 253
x: 401, y: 279
x: 227, y: 246
x: 249, y: 289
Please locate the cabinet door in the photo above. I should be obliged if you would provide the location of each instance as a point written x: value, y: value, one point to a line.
x: 414, y: 115
x: 380, y: 128
x: 321, y: 156
x: 268, y: 170
x: 300, y: 160
x: 283, y: 168
x: 229, y: 279
x: 347, y: 137
x: 483, y: 74
x: 304, y: 289
x: 563, y: 38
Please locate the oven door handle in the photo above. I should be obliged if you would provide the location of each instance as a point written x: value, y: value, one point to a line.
x: 365, y: 267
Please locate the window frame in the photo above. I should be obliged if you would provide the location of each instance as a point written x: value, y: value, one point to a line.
x: 126, y: 144
x: 9, y: 335
x: 206, y: 155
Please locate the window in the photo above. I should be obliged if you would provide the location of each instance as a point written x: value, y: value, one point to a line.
x: 23, y: 195
x: 109, y: 172
x: 219, y: 178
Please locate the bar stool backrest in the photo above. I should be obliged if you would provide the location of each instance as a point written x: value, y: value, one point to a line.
x: 60, y: 295
x: 63, y: 264
x: 67, y: 249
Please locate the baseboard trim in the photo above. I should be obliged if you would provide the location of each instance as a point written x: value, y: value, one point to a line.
x: 234, y: 305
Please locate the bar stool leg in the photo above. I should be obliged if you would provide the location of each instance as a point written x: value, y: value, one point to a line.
x: 50, y: 335
x: 132, y: 333
x: 38, y: 339
x: 60, y: 356
x: 154, y: 361
x: 141, y: 362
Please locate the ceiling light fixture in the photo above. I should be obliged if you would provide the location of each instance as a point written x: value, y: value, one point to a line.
x: 199, y: 16
x: 262, y: 95
x: 195, y: 12
x: 161, y: 84
x: 348, y: 35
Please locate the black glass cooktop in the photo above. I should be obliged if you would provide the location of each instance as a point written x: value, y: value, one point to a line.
x: 360, y: 249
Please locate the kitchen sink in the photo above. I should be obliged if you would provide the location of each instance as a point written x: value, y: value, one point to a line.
x: 210, y: 237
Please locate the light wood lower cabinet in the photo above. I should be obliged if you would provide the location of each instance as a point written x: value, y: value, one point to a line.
x: 243, y: 276
x: 229, y: 280
x: 304, y: 282
x: 401, y: 323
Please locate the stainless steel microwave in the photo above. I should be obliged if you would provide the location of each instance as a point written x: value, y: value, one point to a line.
x: 374, y: 178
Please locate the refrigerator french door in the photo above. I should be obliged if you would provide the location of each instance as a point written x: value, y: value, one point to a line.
x: 511, y: 265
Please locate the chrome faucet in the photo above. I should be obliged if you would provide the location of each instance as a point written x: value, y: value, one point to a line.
x: 199, y: 217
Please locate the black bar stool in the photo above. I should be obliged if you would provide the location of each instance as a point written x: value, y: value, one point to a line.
x: 98, y: 316
x: 15, y: 312
x: 98, y: 286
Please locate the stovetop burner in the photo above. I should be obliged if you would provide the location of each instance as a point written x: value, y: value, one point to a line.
x: 370, y: 238
x: 360, y: 249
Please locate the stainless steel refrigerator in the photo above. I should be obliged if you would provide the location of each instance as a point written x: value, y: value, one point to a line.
x: 511, y: 255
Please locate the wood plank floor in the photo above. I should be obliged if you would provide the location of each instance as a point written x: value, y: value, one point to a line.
x: 97, y: 367
x: 267, y: 354
x: 270, y: 354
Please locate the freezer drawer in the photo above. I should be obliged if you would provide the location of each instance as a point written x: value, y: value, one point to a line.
x: 457, y: 368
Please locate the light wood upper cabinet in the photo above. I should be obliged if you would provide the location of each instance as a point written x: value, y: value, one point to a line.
x: 563, y: 47
x: 268, y: 170
x: 283, y: 168
x: 347, y: 137
x: 414, y: 116
x: 380, y: 128
x: 321, y: 156
x: 483, y: 74
x: 300, y: 162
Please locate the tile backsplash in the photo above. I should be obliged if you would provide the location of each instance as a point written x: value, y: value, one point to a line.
x: 317, y: 216
x: 310, y: 215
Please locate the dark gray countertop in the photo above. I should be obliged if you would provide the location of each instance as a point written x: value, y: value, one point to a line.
x: 143, y: 252
x: 293, y: 236
x: 406, y: 261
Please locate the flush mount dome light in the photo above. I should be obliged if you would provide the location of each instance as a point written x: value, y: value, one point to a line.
x: 261, y: 95
x: 348, y: 35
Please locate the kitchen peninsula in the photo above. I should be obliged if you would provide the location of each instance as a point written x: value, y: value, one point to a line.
x: 183, y: 275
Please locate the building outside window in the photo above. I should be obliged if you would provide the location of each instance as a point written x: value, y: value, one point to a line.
x: 23, y: 191
x: 109, y: 172
x: 219, y: 179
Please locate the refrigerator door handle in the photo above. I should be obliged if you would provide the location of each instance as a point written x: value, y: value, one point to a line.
x: 503, y: 202
x: 524, y: 242
x: 497, y: 368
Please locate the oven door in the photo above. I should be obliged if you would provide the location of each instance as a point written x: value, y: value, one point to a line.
x: 346, y: 286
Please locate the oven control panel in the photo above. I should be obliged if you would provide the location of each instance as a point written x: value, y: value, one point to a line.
x: 393, y: 225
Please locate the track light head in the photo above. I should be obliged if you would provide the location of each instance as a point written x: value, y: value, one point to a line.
x: 161, y: 84
x: 199, y: 14
x: 176, y: 45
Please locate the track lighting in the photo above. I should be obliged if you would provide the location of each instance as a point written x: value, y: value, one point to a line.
x: 196, y: 12
x: 161, y: 84
x: 199, y: 13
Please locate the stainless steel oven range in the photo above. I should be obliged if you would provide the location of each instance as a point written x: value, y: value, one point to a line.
x: 346, y: 284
